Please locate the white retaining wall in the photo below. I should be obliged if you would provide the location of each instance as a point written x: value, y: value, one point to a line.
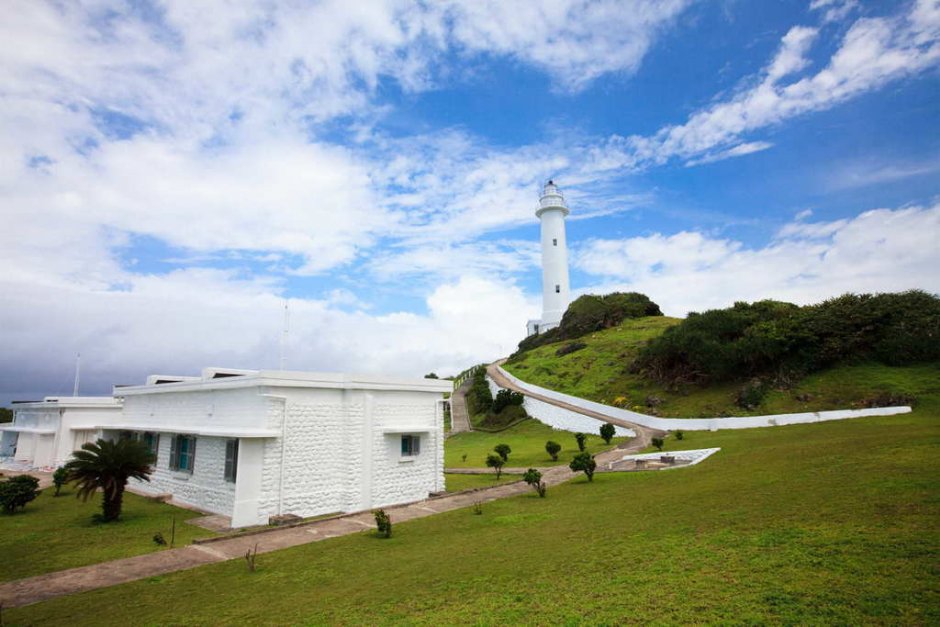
x: 560, y: 418
x: 705, y: 424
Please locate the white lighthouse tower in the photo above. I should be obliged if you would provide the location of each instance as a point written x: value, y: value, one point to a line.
x: 552, y: 212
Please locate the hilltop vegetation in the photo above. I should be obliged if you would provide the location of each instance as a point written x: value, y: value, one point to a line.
x: 766, y: 357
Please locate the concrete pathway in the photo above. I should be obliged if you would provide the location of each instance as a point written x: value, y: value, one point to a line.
x: 75, y: 580
x: 644, y: 435
x: 459, y: 419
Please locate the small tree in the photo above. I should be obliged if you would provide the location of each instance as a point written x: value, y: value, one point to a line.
x: 383, y: 523
x: 534, y: 478
x: 17, y: 491
x: 581, y: 438
x: 679, y: 434
x: 503, y: 450
x: 585, y: 463
x: 496, y: 463
x: 607, y: 432
x: 553, y: 448
x: 59, y: 477
x: 658, y: 443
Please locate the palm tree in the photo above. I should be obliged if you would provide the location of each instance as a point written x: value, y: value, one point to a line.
x: 108, y: 464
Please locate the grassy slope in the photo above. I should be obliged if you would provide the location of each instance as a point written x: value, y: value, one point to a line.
x: 830, y: 522
x: 527, y: 441
x: 598, y: 372
x: 457, y: 482
x: 55, y: 533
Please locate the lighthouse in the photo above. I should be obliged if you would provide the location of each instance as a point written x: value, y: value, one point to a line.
x: 551, y: 213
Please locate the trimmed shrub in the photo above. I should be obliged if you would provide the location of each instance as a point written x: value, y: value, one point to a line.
x: 553, y: 448
x: 534, y: 478
x: 507, y: 398
x: 17, y: 491
x: 503, y: 451
x: 658, y: 443
x: 607, y: 432
x: 582, y: 439
x: 495, y: 462
x: 383, y: 523
x: 680, y: 434
x: 585, y: 463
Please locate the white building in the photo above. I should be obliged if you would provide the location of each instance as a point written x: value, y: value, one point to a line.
x: 255, y: 444
x: 552, y: 212
x: 44, y: 433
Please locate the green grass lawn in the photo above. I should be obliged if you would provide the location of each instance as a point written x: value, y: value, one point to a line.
x: 55, y: 533
x: 527, y: 441
x: 600, y: 372
x: 458, y: 482
x: 822, y: 523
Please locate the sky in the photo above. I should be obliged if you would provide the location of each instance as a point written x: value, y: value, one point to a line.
x: 173, y: 173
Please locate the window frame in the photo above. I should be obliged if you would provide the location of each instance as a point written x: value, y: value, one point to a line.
x: 230, y: 468
x: 177, y: 455
x: 413, y: 448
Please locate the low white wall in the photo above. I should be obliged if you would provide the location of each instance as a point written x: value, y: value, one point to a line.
x: 560, y: 418
x: 705, y: 424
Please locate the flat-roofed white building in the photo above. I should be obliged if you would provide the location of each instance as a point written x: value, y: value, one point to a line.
x: 44, y: 433
x: 255, y: 444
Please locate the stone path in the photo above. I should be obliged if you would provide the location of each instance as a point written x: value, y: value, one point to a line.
x: 459, y: 419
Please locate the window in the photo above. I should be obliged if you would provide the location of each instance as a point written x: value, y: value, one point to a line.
x: 554, y: 242
x: 410, y: 445
x: 183, y: 453
x: 152, y: 440
x: 231, y: 460
x: 558, y: 289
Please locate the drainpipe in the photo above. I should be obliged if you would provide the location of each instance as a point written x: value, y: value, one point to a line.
x: 280, y: 479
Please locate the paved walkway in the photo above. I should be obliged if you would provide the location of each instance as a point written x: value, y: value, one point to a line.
x: 459, y: 419
x: 644, y: 435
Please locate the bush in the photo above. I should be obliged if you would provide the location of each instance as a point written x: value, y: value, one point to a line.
x: 679, y: 434
x: 581, y: 438
x: 567, y: 349
x: 496, y: 463
x: 782, y: 341
x: 534, y: 478
x: 383, y: 523
x: 607, y: 432
x: 585, y: 463
x: 751, y: 394
x: 509, y: 415
x: 17, y: 491
x: 507, y: 398
x: 658, y: 443
x: 479, y: 398
x: 553, y: 448
x: 59, y: 478
x: 503, y: 451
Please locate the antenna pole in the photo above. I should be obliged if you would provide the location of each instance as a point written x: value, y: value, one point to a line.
x: 284, y: 336
x: 78, y: 370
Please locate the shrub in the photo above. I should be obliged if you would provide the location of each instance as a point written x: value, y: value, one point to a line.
x: 553, y: 448
x: 534, y: 478
x: 479, y: 398
x: 383, y: 523
x: 17, y: 491
x: 509, y: 415
x: 679, y: 434
x: 503, y: 451
x: 751, y: 394
x: 59, y: 478
x: 496, y: 463
x: 581, y: 438
x: 607, y: 432
x: 507, y: 398
x: 567, y: 349
x: 658, y: 443
x: 585, y: 463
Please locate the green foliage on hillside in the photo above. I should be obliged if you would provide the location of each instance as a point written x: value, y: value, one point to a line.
x: 784, y: 342
x: 593, y: 313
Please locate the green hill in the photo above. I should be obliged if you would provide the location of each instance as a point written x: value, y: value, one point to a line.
x: 601, y: 371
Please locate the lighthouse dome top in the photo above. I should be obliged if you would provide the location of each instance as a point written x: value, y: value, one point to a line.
x: 552, y: 198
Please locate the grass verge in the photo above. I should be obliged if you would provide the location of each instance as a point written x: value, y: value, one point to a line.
x: 57, y: 532
x: 456, y: 482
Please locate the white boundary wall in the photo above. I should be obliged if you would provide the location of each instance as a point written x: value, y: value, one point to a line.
x: 560, y: 418
x: 705, y: 424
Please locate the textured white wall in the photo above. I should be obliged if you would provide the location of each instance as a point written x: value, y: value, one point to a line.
x: 707, y: 424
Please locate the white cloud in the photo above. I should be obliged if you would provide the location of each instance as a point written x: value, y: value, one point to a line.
x: 833, y: 10
x: 881, y: 250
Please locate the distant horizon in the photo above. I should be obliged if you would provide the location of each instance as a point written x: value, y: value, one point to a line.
x: 173, y: 176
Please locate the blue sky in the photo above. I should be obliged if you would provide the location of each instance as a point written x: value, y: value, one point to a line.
x: 173, y: 172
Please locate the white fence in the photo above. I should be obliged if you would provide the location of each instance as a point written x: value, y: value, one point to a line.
x: 703, y: 424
